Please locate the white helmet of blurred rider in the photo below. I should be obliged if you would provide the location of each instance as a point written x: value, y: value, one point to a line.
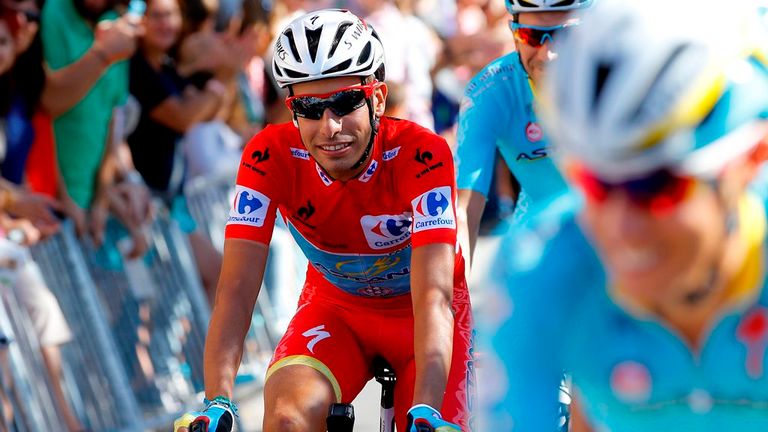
x: 326, y: 44
x: 646, y: 85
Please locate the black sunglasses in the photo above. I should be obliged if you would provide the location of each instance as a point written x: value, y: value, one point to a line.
x: 341, y: 101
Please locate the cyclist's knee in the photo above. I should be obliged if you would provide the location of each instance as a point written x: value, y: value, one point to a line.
x: 291, y: 415
x: 296, y: 399
x: 289, y: 419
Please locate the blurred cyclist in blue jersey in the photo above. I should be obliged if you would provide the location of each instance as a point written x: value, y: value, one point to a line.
x: 659, y: 113
x: 497, y: 112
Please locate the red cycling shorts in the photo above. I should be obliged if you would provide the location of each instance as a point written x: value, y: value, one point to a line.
x: 339, y: 335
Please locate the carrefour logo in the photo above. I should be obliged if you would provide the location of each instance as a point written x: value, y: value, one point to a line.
x: 385, y: 231
x: 433, y: 209
x: 249, y: 207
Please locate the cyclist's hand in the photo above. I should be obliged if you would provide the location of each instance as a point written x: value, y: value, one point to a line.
x: 218, y: 416
x: 424, y: 418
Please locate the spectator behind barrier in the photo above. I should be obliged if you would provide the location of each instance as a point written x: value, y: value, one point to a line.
x: 411, y: 53
x: 171, y: 107
x: 26, y: 217
x: 84, y: 43
x: 212, y: 148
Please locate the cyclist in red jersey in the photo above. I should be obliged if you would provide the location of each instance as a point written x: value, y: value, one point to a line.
x: 371, y: 202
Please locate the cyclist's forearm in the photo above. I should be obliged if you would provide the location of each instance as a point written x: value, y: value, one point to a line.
x: 469, y: 213
x: 224, y: 347
x: 433, y: 341
x: 239, y: 282
x: 432, y: 296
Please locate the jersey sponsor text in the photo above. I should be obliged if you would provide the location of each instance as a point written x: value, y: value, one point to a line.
x: 249, y: 207
x: 433, y: 209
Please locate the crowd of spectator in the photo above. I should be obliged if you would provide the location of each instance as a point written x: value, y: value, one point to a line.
x: 104, y: 111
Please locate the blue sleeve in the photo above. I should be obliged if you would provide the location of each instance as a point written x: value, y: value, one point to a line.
x: 526, y: 324
x: 477, y: 136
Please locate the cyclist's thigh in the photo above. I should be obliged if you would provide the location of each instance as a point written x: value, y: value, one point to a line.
x: 318, y: 338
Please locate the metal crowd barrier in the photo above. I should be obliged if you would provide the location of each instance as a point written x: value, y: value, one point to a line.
x: 139, y: 326
x: 94, y: 376
x: 136, y: 358
x: 23, y: 377
x: 209, y: 201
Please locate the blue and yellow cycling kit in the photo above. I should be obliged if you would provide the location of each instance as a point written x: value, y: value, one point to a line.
x: 631, y: 372
x: 498, y: 112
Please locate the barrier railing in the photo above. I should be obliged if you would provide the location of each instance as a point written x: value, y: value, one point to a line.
x: 209, y: 202
x: 136, y: 358
x: 23, y: 377
x: 157, y: 311
x: 95, y: 378
x: 139, y: 325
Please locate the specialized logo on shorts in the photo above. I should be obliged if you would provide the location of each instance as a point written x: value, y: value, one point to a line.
x: 631, y: 382
x: 317, y: 334
x: 299, y: 153
x: 385, y: 231
x: 433, y: 210
x: 533, y: 132
x: 249, y: 208
x: 753, y: 332
x: 391, y: 154
x: 369, y: 172
x: 323, y: 176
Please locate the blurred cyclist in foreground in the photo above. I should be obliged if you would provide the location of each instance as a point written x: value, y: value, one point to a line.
x: 652, y: 292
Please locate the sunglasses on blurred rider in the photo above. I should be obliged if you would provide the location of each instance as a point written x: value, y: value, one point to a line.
x: 536, y: 36
x: 658, y: 192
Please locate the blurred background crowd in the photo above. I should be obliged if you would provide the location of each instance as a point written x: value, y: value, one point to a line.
x: 112, y: 112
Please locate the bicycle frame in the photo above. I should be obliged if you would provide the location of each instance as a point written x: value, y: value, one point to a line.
x: 341, y: 417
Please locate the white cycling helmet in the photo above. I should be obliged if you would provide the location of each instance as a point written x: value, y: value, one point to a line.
x: 517, y: 6
x: 326, y: 44
x: 635, y: 90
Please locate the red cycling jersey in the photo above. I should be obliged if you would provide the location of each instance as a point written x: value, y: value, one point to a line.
x: 358, y: 235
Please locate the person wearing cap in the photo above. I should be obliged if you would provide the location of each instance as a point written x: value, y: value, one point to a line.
x: 648, y: 284
x: 497, y: 114
x: 370, y: 201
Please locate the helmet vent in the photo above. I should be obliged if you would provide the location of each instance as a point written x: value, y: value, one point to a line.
x: 336, y: 39
x: 340, y: 67
x: 364, y: 55
x: 292, y: 45
x: 564, y: 3
x: 524, y: 3
x: 659, y: 78
x: 294, y: 74
x: 313, y: 40
x: 601, y: 76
